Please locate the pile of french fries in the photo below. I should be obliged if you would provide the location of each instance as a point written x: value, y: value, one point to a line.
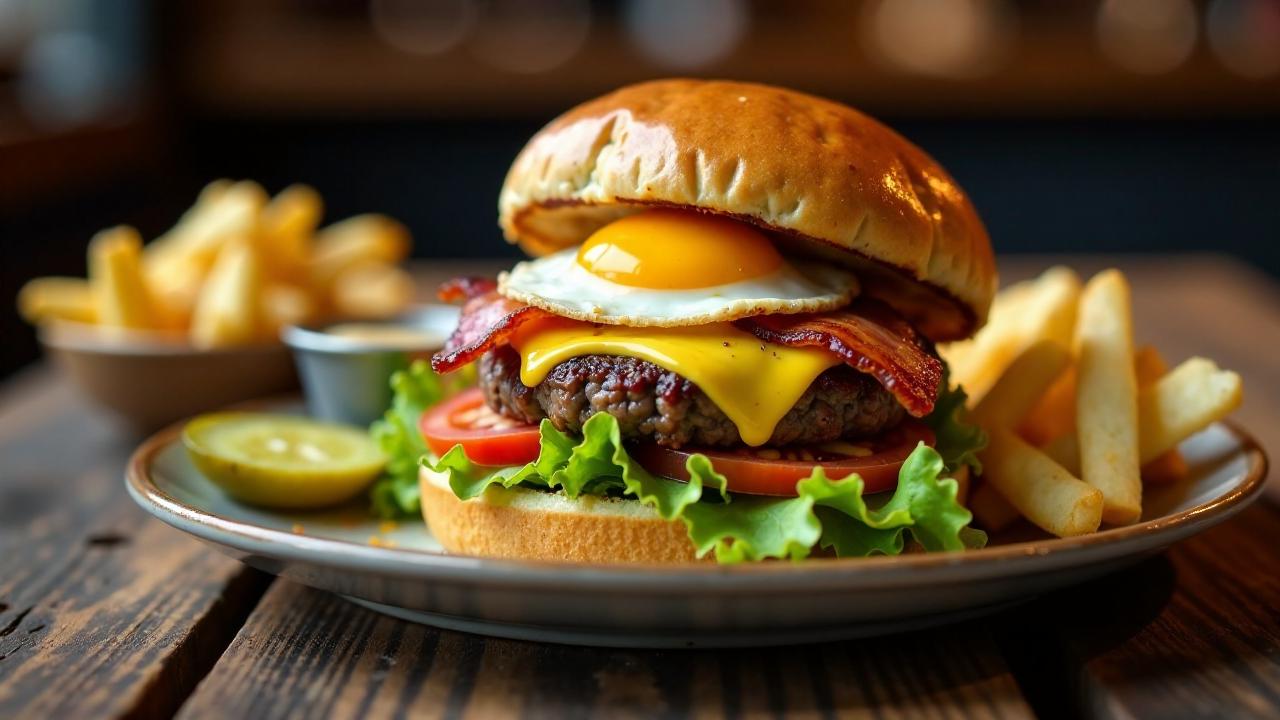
x: 1078, y: 419
x: 237, y: 267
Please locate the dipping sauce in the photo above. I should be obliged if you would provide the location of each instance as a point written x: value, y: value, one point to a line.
x: 387, y: 335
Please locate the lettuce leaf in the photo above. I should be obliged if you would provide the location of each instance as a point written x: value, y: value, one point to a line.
x: 830, y: 514
x: 395, y: 494
x: 956, y: 439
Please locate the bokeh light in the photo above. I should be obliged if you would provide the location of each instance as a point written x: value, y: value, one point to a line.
x: 528, y: 37
x: 64, y: 79
x: 1147, y: 36
x: 953, y: 39
x: 422, y: 28
x: 1245, y: 35
x: 686, y: 35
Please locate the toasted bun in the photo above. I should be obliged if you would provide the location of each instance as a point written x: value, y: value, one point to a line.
x: 824, y: 178
x: 530, y: 525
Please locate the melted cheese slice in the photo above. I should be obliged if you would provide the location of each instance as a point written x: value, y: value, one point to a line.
x: 753, y: 382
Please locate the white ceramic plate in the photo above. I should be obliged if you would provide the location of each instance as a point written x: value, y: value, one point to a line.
x: 709, y: 606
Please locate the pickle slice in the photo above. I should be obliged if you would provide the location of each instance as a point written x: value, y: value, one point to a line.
x: 282, y: 461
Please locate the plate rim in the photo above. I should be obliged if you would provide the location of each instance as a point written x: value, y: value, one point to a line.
x: 871, y: 572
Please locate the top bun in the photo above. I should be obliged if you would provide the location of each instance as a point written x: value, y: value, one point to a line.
x: 823, y: 178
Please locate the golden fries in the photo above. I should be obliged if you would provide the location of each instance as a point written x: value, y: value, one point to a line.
x: 1107, y: 397
x: 1039, y: 309
x: 57, y: 298
x: 1166, y: 469
x: 1054, y: 414
x: 1040, y: 489
x: 230, y: 304
x: 373, y: 290
x: 288, y: 223
x: 1072, y: 439
x: 1017, y: 390
x: 354, y: 242
x: 1149, y: 366
x: 992, y: 511
x: 236, y: 268
x: 1193, y: 395
x: 284, y: 305
x: 120, y: 294
x: 1175, y: 407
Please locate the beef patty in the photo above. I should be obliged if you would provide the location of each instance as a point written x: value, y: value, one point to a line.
x: 650, y: 402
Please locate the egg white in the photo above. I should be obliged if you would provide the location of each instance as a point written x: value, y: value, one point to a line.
x: 558, y: 284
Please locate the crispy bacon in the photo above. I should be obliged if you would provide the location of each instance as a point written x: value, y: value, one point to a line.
x: 872, y: 338
x: 465, y: 288
x: 868, y: 335
x: 487, y: 321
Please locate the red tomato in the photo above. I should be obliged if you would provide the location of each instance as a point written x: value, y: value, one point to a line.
x: 775, y: 471
x: 485, y: 436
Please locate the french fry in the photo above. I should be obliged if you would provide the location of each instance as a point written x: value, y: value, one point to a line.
x: 1015, y: 393
x: 1054, y: 414
x: 372, y: 290
x: 1065, y: 450
x: 223, y: 211
x: 229, y: 308
x: 1013, y: 396
x: 284, y: 305
x: 287, y: 224
x: 120, y: 292
x: 1039, y: 309
x: 356, y: 241
x: 1166, y: 469
x: 992, y: 511
x: 1194, y: 395
x: 1107, y: 397
x: 57, y: 298
x: 236, y: 268
x: 1180, y: 404
x: 178, y: 262
x: 1041, y: 490
x: 1149, y: 366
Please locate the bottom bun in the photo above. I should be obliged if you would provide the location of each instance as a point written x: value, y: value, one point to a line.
x: 531, y: 525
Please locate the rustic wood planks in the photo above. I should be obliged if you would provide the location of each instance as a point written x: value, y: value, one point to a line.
x: 102, y: 613
x: 306, y: 653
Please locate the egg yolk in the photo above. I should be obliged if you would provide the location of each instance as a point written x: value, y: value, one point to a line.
x: 675, y: 249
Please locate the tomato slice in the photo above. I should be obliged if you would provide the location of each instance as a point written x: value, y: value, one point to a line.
x: 485, y: 436
x: 775, y: 471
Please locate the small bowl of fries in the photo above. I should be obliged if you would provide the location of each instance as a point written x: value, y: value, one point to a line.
x: 191, y: 321
x: 1078, y: 419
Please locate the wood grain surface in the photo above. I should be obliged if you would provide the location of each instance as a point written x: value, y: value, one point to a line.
x: 305, y: 653
x: 107, y: 613
x: 102, y: 613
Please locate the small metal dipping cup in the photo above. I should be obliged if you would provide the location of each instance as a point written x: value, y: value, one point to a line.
x: 346, y: 376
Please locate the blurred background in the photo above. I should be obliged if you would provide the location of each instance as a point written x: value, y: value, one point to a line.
x: 1117, y: 125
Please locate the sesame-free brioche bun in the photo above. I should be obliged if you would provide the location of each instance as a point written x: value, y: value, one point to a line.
x: 519, y: 523
x: 825, y: 179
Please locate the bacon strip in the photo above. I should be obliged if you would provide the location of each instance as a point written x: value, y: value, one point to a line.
x: 465, y: 288
x: 487, y: 321
x: 872, y: 338
x: 868, y: 335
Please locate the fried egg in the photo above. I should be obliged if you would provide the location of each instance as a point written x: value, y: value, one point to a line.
x: 672, y: 268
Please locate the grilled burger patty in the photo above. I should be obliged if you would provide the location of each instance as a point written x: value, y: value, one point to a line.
x: 652, y: 403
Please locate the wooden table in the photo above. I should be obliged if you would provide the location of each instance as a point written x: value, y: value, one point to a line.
x: 106, y: 613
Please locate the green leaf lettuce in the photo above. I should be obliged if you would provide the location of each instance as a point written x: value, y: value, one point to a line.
x: 828, y: 514
x: 395, y: 494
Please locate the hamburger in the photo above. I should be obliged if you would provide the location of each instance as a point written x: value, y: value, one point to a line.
x: 722, y: 347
